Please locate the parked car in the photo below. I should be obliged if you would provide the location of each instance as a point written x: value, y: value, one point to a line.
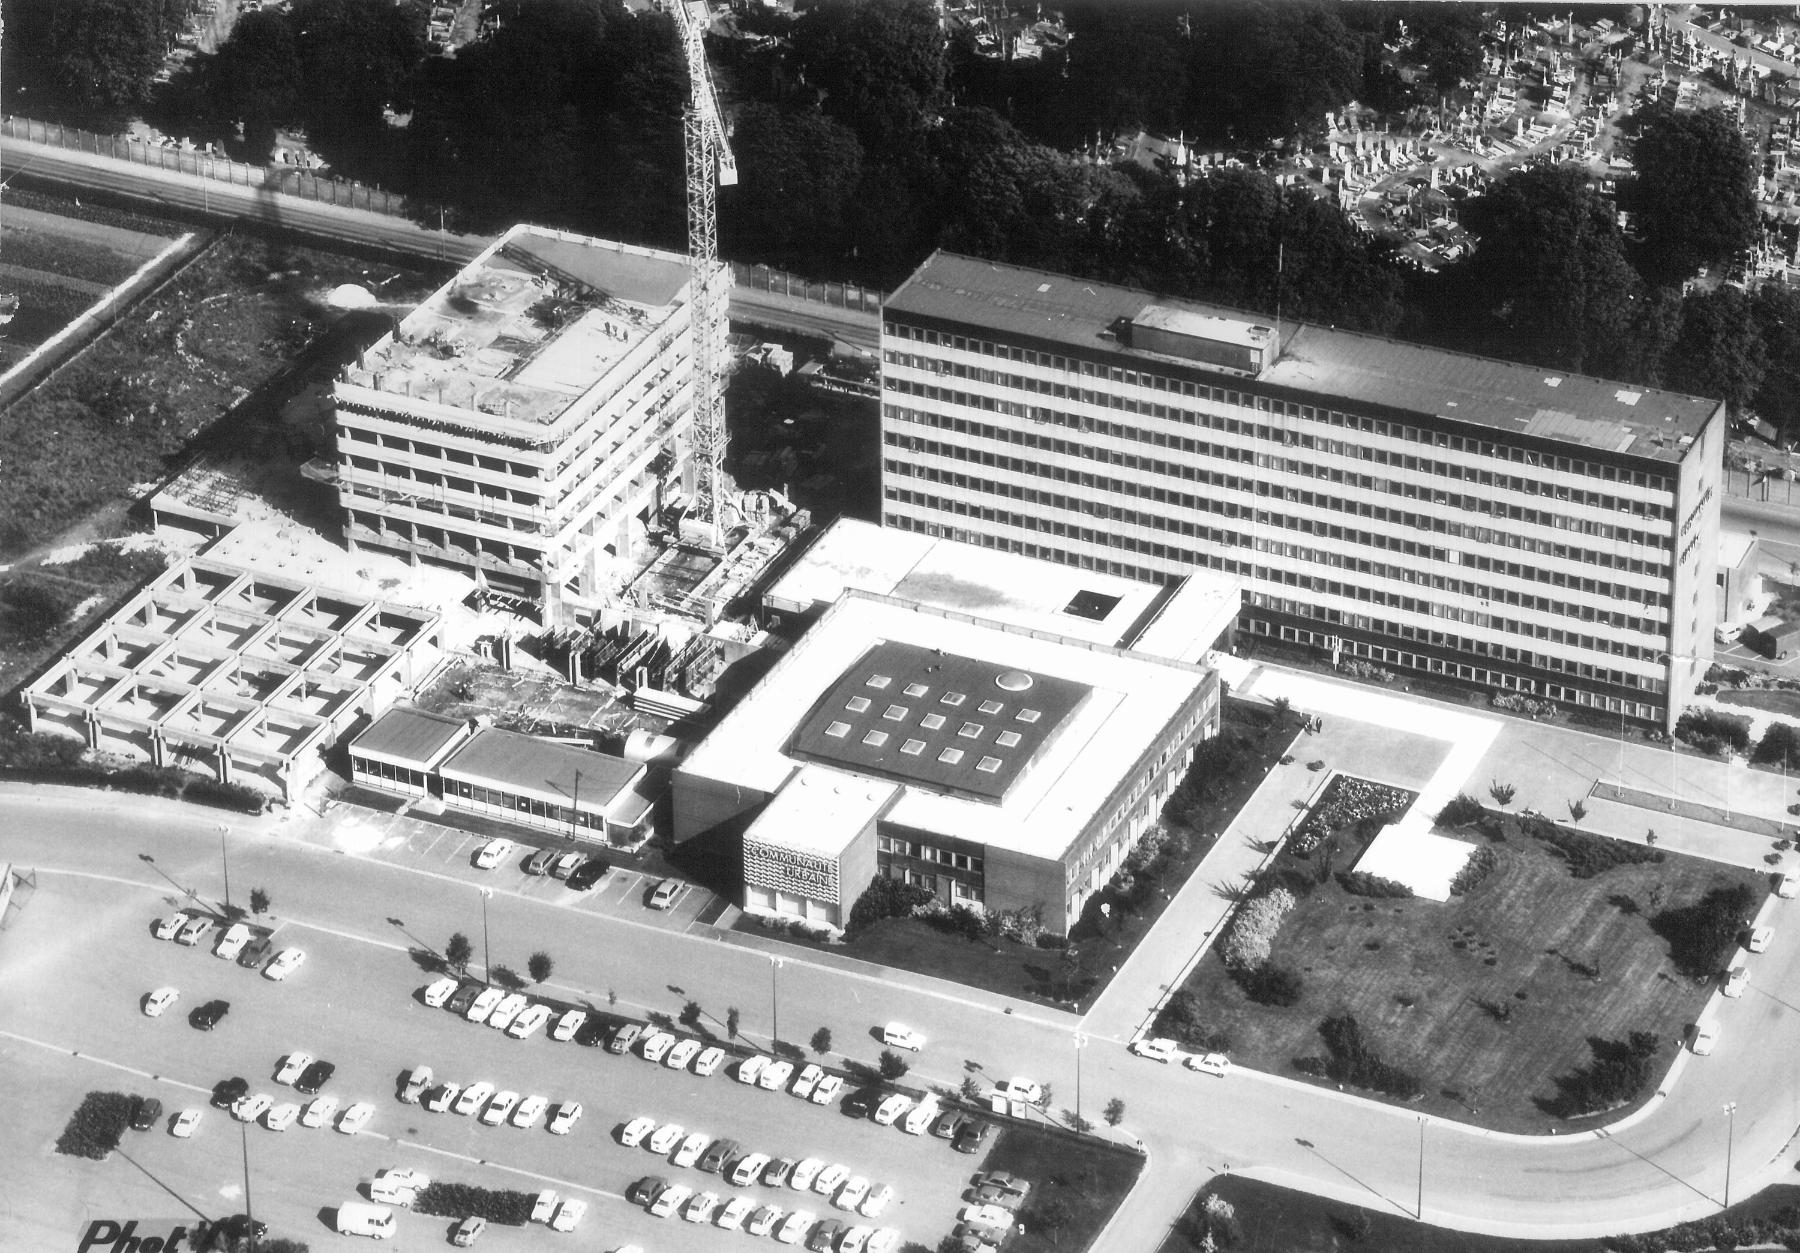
x: 540, y: 861
x: 750, y: 1069
x: 1760, y: 938
x: 232, y: 942
x: 566, y: 865
x: 1787, y: 886
x: 717, y: 1154
x: 971, y: 1136
x: 664, y: 895
x: 281, y: 1117
x: 625, y: 1037
x: 464, y: 998
x: 1028, y: 1091
x: 900, y: 1036
x: 700, y: 1207
x: 775, y: 1075
x: 949, y: 1124
x: 826, y: 1090
x: 764, y: 1220
x: 146, y: 1112
x: 170, y: 927
x: 1705, y: 1038
x: 825, y: 1235
x: 684, y: 1052
x: 634, y: 1131
x: 441, y: 1097
x: 544, y: 1205
x: 192, y: 930
x: 356, y: 1118
x: 156, y: 1002
x: 831, y: 1179
x: 853, y: 1193
x: 890, y: 1109
x: 314, y: 1077
x: 254, y: 952
x: 530, y: 1022
x: 809, y: 1078
x: 795, y: 1226
x: 493, y: 853
x: 319, y: 1111
x: 1736, y: 980
x: 292, y: 1066
x: 468, y: 1231
x: 876, y: 1202
x: 646, y: 1190
x: 1214, y: 1064
x: 499, y: 1107
x: 666, y: 1137
x: 709, y: 1061
x: 747, y: 1169
x: 414, y: 1083
x: 920, y: 1117
x: 226, y: 1092
x: 473, y: 1097
x: 286, y: 962
x: 568, y: 1024
x: 186, y: 1123
x: 776, y: 1173
x: 670, y: 1199
x: 209, y: 1015
x: 655, y: 1045
x: 563, y: 1120
x: 251, y: 1106
x: 1157, y: 1049
x: 438, y: 991
x: 736, y: 1210
x: 691, y: 1148
x: 802, y: 1177
x: 587, y: 874
x: 568, y: 1214
x: 509, y: 1008
x: 530, y: 1110
x: 484, y: 1003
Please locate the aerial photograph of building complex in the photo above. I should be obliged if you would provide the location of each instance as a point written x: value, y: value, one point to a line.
x: 1179, y: 618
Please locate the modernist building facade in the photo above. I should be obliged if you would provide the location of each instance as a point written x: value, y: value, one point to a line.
x: 1498, y: 525
x: 529, y: 420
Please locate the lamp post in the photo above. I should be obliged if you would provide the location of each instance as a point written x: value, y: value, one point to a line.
x: 774, y: 1002
x: 1080, y: 1043
x: 249, y: 1210
x: 225, y: 862
x: 487, y: 952
x: 1730, y: 1136
x: 1419, y: 1206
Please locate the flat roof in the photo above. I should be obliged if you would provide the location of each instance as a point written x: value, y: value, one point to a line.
x: 943, y: 721
x: 1523, y: 399
x: 527, y: 766
x: 1131, y: 700
x: 820, y: 810
x: 409, y: 736
x: 1008, y: 587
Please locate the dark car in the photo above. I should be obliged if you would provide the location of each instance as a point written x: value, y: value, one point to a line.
x: 145, y: 1113
x: 824, y: 1237
x: 226, y: 1092
x: 775, y: 1174
x: 971, y: 1136
x: 254, y: 952
x: 587, y: 874
x: 646, y: 1190
x: 949, y: 1124
x: 207, y: 1016
x: 314, y: 1077
x: 539, y: 862
x: 713, y: 1160
x: 994, y: 1194
x: 591, y: 1032
x: 463, y: 997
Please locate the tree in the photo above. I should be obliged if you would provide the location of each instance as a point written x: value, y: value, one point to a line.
x: 797, y: 173
x: 1114, y: 1112
x: 458, y: 951
x: 971, y: 1088
x: 539, y: 966
x: 95, y: 57
x: 259, y: 901
x: 1502, y: 793
x: 1719, y: 351
x: 357, y: 58
x: 892, y: 1065
x: 254, y: 78
x: 1446, y: 42
x: 821, y: 1040
x: 1780, y: 743
x: 1044, y: 1095
x: 1776, y: 310
x: 1266, y: 69
x: 879, y: 64
x: 731, y: 1022
x: 1693, y: 198
x: 1577, y: 811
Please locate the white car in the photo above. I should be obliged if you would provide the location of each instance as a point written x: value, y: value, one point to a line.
x: 232, y: 942
x: 484, y: 1004
x: 441, y: 1097
x: 563, y: 1120
x: 763, y: 1221
x: 286, y: 962
x: 159, y: 1000
x: 899, y: 1035
x: 809, y: 1078
x: 319, y: 1111
x: 666, y: 1137
x: 544, y: 1205
x: 656, y: 1045
x: 355, y: 1118
x: 1027, y: 1090
x: 438, y: 991
x: 529, y: 1023
x: 920, y: 1116
x: 709, y: 1060
x: 826, y: 1091
x: 281, y: 1117
x: 890, y: 1109
x: 168, y: 928
x: 509, y: 1008
x: 884, y: 1241
x: 748, y: 1169
x: 291, y: 1066
x: 683, y: 1053
x: 1157, y: 1050
x: 568, y: 1024
x: 1706, y: 1037
x: 498, y: 1108
x: 251, y: 1106
x: 876, y: 1202
x: 568, y: 1214
x: 494, y: 852
x: 185, y: 1123
x: 565, y: 865
x: 700, y: 1207
x: 775, y: 1076
x: 474, y: 1097
x: 831, y: 1179
x: 1787, y: 887
x: 804, y: 1174
x: 635, y: 1131
x: 530, y: 1110
x: 795, y: 1226
x: 1736, y: 980
x: 691, y: 1148
x: 854, y: 1192
x: 670, y: 1199
x: 735, y: 1212
x: 193, y: 930
x: 854, y: 1240
x: 751, y: 1068
x: 1214, y: 1064
x: 1760, y: 938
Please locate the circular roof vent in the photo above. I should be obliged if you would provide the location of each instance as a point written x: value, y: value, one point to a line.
x: 1013, y: 681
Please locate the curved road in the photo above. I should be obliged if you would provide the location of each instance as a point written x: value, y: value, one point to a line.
x: 1666, y: 1165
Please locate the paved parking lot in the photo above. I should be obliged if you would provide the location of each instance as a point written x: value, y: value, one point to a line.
x: 355, y: 1004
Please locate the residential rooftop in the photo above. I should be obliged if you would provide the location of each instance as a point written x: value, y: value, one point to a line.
x: 1085, y: 316
x: 528, y: 327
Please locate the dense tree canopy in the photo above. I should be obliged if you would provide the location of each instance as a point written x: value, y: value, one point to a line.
x: 1693, y: 198
x: 356, y: 57
x: 1267, y: 69
x: 1777, y: 314
x: 1719, y: 351
x: 880, y: 65
x: 798, y: 176
x: 254, y: 79
x: 95, y: 57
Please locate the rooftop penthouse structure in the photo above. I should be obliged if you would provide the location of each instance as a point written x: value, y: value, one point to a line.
x: 530, y: 421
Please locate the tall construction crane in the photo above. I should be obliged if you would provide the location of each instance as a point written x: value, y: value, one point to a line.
x: 710, y: 165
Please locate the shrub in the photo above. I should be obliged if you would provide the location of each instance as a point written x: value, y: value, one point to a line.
x: 1701, y: 936
x: 1780, y: 743
x: 1618, y: 1072
x: 97, y: 1125
x: 893, y: 1066
x: 1480, y: 865
x: 539, y: 966
x: 1051, y: 939
x: 1733, y: 729
x: 1589, y: 855
x: 1023, y: 925
x: 1460, y: 811
x: 1362, y: 883
x: 886, y: 898
x: 460, y: 1200
x: 1354, y: 1061
x: 1253, y: 931
x: 1270, y: 984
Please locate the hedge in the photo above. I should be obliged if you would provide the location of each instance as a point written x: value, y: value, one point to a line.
x: 1354, y: 1061
x: 43, y: 757
x: 1590, y: 855
x: 1253, y: 931
x: 97, y: 1125
x: 1363, y: 883
x: 461, y: 1200
x: 1480, y: 865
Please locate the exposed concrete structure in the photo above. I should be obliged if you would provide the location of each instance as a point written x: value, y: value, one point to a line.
x: 253, y: 674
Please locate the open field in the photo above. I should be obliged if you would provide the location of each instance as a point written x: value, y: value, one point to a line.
x: 1487, y: 998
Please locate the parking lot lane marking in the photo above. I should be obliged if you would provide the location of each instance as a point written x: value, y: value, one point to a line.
x: 103, y: 1061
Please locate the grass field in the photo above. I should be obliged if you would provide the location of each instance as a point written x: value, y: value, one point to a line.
x: 1772, y: 700
x: 1076, y: 1184
x: 1489, y: 997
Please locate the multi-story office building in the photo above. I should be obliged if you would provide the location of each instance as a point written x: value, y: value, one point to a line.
x: 523, y: 423
x: 1497, y: 525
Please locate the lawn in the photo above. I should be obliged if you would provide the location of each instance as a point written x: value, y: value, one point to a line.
x: 1252, y: 739
x: 1271, y: 1219
x: 1487, y: 998
x: 1771, y: 700
x: 1076, y: 1184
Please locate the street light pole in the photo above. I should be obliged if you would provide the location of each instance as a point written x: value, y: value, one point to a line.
x: 1080, y: 1043
x: 1419, y: 1208
x: 774, y: 1003
x: 225, y: 861
x: 1730, y: 1136
x: 249, y: 1211
x: 487, y: 952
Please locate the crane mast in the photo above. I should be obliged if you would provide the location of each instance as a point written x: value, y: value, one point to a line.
x: 710, y: 165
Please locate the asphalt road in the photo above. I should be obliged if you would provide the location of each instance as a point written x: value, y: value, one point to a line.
x: 1667, y: 1165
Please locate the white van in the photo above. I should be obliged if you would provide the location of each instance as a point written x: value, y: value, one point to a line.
x: 921, y: 1116
x: 354, y: 1218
